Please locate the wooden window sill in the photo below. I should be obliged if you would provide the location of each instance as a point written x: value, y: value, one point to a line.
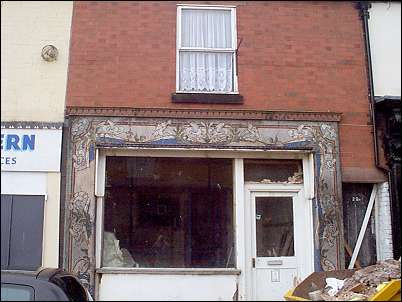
x: 169, y: 271
x: 207, y: 98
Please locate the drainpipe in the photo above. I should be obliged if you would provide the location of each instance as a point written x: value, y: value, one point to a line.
x: 364, y: 14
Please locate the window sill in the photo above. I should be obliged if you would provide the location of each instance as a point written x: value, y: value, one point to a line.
x: 207, y: 98
x: 168, y: 271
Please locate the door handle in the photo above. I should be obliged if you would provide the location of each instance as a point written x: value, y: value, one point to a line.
x: 275, y: 262
x: 253, y: 262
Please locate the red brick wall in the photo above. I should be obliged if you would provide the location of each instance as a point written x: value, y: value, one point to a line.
x: 305, y: 56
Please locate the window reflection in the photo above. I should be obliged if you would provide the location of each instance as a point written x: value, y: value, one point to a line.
x: 274, y: 226
x: 168, y: 212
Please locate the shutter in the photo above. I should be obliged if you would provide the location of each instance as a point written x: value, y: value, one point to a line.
x: 26, y: 232
x: 6, y: 204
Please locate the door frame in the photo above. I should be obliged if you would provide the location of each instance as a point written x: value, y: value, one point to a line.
x: 307, y: 255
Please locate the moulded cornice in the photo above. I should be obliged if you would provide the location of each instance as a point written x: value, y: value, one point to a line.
x: 31, y: 125
x: 205, y: 113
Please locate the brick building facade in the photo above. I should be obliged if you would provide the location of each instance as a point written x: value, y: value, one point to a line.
x: 302, y: 96
x: 293, y: 56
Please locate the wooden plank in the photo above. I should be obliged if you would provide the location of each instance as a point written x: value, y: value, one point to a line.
x: 363, y: 227
x: 349, y: 251
x: 207, y: 98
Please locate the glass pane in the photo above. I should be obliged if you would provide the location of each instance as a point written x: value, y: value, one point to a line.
x: 168, y: 212
x: 206, y: 28
x: 273, y: 171
x: 206, y: 71
x: 274, y: 226
x: 11, y: 292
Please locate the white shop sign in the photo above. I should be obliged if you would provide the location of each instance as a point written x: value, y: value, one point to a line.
x: 30, y: 150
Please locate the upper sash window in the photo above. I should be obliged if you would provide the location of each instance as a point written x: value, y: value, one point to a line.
x: 206, y: 49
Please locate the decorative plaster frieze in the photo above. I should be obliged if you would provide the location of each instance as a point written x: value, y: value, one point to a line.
x: 89, y: 132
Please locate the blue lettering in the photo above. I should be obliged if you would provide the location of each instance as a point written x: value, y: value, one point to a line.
x: 28, y: 141
x: 8, y: 160
x: 23, y: 142
x: 12, y: 142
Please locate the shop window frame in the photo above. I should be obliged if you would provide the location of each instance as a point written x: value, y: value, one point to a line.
x: 237, y: 157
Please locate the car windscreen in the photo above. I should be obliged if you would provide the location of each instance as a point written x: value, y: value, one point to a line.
x: 16, y: 292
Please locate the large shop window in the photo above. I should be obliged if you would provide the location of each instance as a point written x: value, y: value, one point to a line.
x: 168, y: 213
x: 21, y: 231
x: 206, y: 44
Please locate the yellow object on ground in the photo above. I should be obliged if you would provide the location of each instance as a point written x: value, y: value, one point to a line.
x: 381, y: 286
x: 390, y: 291
x: 289, y: 296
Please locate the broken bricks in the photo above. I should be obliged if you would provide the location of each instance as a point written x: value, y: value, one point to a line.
x: 363, y: 283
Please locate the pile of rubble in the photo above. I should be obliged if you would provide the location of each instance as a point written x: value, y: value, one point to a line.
x: 363, y: 283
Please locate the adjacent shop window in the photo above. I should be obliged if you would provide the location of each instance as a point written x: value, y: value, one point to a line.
x: 273, y: 171
x: 356, y: 198
x: 168, y: 213
x: 206, y: 43
x: 21, y: 231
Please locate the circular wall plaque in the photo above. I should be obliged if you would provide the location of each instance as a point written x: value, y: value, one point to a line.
x: 49, y: 53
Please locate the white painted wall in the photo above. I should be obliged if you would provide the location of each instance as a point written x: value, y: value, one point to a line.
x: 34, y: 90
x: 23, y: 183
x: 385, y: 42
x: 50, y: 256
x: 383, y: 225
x: 31, y: 88
x: 141, y: 287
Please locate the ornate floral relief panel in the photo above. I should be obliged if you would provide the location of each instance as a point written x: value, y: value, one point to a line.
x: 87, y: 133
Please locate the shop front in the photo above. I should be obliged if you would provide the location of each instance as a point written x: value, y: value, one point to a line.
x: 234, y: 206
x: 30, y: 194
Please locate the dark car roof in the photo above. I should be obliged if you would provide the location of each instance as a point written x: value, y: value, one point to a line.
x: 19, y: 272
x: 41, y: 273
x: 46, y: 282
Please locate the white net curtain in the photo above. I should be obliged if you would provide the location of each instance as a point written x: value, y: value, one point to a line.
x: 207, y: 71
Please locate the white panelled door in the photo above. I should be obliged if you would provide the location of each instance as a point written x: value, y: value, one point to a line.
x: 280, y: 231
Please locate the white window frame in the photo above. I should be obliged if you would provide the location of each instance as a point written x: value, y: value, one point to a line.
x: 232, y: 50
x: 238, y: 156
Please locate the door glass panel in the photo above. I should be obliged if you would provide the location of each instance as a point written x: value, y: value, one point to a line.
x: 274, y: 226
